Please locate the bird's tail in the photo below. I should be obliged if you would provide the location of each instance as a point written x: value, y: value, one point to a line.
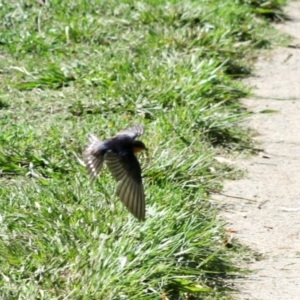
x: 93, y: 156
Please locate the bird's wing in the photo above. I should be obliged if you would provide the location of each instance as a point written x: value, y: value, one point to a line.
x: 92, y: 157
x: 127, y: 171
x: 132, y: 132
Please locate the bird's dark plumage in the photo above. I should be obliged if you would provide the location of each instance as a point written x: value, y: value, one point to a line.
x: 118, y: 153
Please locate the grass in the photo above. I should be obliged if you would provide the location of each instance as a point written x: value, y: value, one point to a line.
x: 73, y: 67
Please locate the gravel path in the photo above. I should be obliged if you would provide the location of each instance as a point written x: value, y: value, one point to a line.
x: 270, y: 224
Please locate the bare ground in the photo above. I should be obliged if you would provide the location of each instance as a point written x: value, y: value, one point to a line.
x: 270, y: 222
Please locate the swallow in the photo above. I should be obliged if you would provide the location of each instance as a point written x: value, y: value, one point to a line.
x: 119, y: 154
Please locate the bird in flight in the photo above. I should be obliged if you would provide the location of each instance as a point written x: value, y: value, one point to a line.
x: 119, y: 154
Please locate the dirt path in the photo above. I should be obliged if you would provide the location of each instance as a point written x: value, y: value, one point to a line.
x: 271, y: 223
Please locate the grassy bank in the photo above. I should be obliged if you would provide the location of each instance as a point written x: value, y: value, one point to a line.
x: 73, y: 67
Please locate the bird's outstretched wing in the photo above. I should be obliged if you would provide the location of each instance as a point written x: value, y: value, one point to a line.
x: 127, y: 171
x: 92, y: 157
x: 132, y: 132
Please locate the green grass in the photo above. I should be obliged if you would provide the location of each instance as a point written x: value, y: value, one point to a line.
x: 68, y: 68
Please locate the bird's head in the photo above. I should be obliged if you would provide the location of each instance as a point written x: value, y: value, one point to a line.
x: 138, y: 146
